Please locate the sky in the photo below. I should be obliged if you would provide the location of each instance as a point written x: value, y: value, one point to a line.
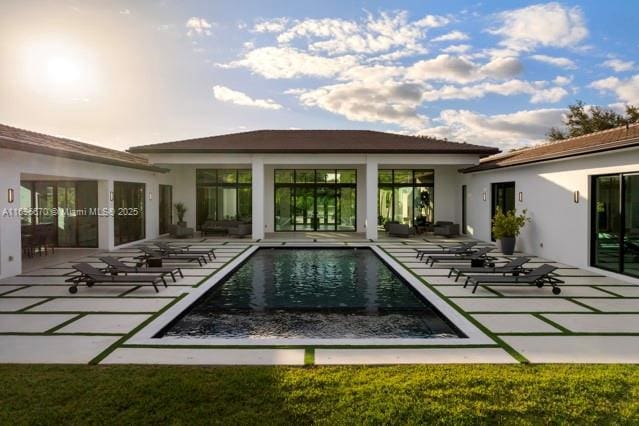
x: 497, y: 73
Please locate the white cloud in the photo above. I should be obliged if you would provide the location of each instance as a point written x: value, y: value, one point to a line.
x: 462, y: 70
x: 276, y: 25
x: 390, y: 102
x: 125, y: 12
x: 618, y: 65
x: 224, y: 94
x: 505, y: 131
x: 375, y: 34
x: 626, y: 90
x: 562, y: 80
x: 538, y: 91
x: 457, y: 48
x: 287, y: 62
x: 452, y: 36
x: 549, y: 24
x: 555, y: 60
x: 198, y: 27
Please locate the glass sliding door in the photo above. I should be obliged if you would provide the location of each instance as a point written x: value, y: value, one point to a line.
x: 405, y: 196
x: 129, y: 204
x: 346, y: 211
x: 631, y: 225
x: 66, y: 219
x: 284, y: 206
x: 615, y: 223
x: 315, y: 200
x: 64, y: 214
x: 606, y: 222
x: 304, y: 209
x: 87, y: 224
x: 223, y: 195
x: 502, y: 196
x: 165, y: 206
x: 326, y: 208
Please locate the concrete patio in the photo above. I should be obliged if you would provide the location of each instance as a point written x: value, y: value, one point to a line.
x: 594, y: 320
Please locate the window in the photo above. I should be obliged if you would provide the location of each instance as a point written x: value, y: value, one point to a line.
x: 405, y: 196
x: 223, y: 194
x: 315, y: 200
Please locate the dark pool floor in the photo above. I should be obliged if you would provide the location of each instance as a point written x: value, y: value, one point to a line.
x: 312, y: 293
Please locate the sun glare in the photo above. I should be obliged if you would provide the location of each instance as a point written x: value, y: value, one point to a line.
x: 59, y: 69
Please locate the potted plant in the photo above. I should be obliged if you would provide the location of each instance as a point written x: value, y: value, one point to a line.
x: 506, y: 228
x: 180, y: 210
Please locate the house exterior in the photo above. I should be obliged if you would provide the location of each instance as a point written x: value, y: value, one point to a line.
x: 582, y: 195
x: 320, y: 181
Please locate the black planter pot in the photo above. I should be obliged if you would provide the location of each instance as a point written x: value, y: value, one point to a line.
x: 507, y: 245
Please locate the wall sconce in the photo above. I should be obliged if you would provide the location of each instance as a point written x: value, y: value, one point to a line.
x: 520, y: 196
x: 150, y: 196
x: 575, y: 197
x: 11, y: 195
x: 483, y: 196
x: 111, y: 196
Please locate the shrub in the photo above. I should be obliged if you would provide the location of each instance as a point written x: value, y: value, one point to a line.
x: 508, y: 224
x: 180, y: 210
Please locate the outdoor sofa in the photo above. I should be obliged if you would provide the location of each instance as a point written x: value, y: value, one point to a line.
x: 226, y: 227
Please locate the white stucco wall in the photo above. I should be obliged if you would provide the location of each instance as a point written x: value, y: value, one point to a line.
x: 560, y: 228
x: 17, y: 164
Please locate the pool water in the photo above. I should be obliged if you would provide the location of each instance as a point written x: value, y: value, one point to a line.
x: 312, y: 293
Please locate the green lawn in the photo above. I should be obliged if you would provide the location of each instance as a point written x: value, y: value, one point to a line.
x: 331, y: 395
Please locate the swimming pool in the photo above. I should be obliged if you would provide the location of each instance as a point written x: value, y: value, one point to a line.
x: 311, y: 293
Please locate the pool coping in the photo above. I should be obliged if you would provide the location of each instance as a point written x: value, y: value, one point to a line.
x: 475, y: 336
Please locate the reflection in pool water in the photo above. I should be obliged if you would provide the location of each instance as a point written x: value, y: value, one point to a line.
x: 312, y: 293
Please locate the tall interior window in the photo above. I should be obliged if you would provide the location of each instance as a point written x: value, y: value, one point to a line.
x: 223, y: 194
x: 129, y: 205
x: 74, y: 224
x: 405, y: 196
x: 615, y: 223
x: 315, y: 200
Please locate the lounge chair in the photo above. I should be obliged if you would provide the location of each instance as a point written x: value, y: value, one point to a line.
x: 90, y: 276
x: 462, y: 248
x: 148, y: 252
x: 116, y: 266
x: 515, y: 267
x: 538, y: 276
x: 482, y: 253
x: 167, y: 248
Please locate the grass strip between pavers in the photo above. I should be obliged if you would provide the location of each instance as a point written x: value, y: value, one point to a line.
x: 511, y: 351
x: 124, y: 338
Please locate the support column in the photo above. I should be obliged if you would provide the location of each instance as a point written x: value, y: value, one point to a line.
x: 257, y: 177
x: 371, y: 200
x: 10, y: 228
x: 106, y: 219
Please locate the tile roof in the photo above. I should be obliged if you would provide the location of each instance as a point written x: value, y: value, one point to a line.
x: 606, y: 140
x: 315, y: 141
x: 25, y: 140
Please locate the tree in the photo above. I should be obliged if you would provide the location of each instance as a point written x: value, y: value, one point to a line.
x: 582, y: 120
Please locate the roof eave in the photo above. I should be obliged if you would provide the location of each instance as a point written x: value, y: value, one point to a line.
x: 19, y: 146
x: 627, y: 143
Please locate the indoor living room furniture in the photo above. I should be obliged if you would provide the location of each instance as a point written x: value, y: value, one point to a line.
x: 446, y: 229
